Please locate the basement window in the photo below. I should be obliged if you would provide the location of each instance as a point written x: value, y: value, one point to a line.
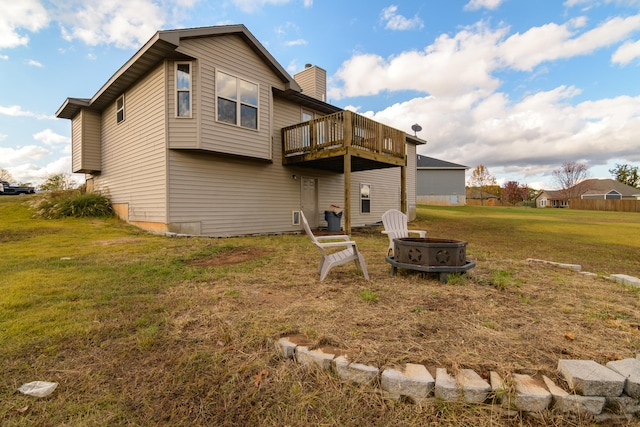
x: 365, y: 198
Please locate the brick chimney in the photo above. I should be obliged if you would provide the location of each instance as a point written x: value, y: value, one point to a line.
x: 313, y: 81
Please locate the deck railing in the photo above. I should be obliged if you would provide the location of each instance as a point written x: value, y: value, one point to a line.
x: 343, y: 129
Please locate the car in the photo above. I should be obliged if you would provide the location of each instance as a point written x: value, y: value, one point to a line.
x: 7, y: 189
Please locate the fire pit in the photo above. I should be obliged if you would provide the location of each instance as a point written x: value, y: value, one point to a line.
x: 430, y: 255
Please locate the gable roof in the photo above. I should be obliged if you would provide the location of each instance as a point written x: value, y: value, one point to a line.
x: 551, y: 194
x: 596, y: 187
x: 165, y: 45
x: 606, y: 186
x: 425, y: 162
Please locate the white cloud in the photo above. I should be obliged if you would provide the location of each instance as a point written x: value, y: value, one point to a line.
x: 308, y: 3
x: 626, y: 53
x: 253, y: 5
x: 298, y: 42
x: 398, y: 22
x: 4, y: 57
x: 3, y: 137
x: 49, y: 137
x: 18, y: 155
x: 470, y: 56
x: 36, y: 174
x: 524, y: 139
x: 552, y: 41
x: 479, y: 4
x: 34, y: 63
x: 15, y: 16
x: 473, y: 55
x: 16, y: 111
x: 124, y: 23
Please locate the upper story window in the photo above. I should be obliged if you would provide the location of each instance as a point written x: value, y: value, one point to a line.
x: 183, y: 89
x: 120, y: 109
x: 237, y: 101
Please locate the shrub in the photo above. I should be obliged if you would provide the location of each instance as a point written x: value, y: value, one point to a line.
x: 73, y: 203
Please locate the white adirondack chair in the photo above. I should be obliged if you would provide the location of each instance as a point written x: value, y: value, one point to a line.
x: 395, y: 226
x: 334, y: 259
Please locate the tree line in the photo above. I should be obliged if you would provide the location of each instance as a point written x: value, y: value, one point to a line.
x: 567, y: 177
x: 53, y: 182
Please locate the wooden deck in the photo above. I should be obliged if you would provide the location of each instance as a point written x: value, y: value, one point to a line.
x: 324, y: 142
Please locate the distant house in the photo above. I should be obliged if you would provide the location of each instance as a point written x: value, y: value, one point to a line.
x: 551, y: 199
x: 608, y: 189
x: 203, y: 132
x: 440, y: 182
x: 603, y: 189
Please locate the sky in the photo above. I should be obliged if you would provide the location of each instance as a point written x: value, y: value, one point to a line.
x: 515, y: 85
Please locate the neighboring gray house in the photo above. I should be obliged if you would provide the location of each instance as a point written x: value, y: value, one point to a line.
x: 608, y: 189
x: 203, y: 132
x: 440, y: 182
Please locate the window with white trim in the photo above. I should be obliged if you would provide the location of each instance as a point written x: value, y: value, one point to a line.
x: 237, y: 101
x: 365, y: 198
x: 183, y: 89
x: 120, y: 109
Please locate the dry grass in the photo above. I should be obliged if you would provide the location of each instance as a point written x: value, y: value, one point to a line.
x: 176, y: 336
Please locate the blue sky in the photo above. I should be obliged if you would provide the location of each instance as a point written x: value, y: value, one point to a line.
x: 519, y: 86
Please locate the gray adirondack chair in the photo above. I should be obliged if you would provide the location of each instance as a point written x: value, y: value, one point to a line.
x: 333, y: 259
x: 395, y: 226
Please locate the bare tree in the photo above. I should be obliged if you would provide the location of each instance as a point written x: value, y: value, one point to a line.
x: 482, y: 179
x: 5, y: 175
x: 568, y: 177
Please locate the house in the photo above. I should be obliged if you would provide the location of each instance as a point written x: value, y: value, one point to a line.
x: 603, y: 189
x: 608, y: 189
x: 551, y: 199
x: 440, y: 182
x: 203, y: 132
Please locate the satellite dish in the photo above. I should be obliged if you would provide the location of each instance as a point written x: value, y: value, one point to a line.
x: 416, y: 128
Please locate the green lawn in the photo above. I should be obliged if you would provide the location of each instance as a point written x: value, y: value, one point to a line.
x: 141, y: 329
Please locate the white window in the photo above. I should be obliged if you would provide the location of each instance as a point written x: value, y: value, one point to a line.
x: 365, y: 198
x: 237, y: 101
x: 120, y: 109
x: 183, y: 89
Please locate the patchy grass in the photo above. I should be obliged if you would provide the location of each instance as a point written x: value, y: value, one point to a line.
x: 140, y: 329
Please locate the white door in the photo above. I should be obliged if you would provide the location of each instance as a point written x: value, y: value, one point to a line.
x: 309, y: 199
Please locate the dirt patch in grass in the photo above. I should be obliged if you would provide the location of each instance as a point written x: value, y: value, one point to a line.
x: 119, y: 241
x: 231, y: 257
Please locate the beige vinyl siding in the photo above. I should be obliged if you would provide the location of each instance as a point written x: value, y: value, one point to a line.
x: 134, y: 151
x: 76, y: 143
x: 85, y: 142
x: 230, y: 196
x: 385, y: 190
x: 231, y: 55
x: 385, y: 194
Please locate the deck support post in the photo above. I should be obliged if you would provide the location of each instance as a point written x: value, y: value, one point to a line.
x: 347, y: 193
x: 403, y: 188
